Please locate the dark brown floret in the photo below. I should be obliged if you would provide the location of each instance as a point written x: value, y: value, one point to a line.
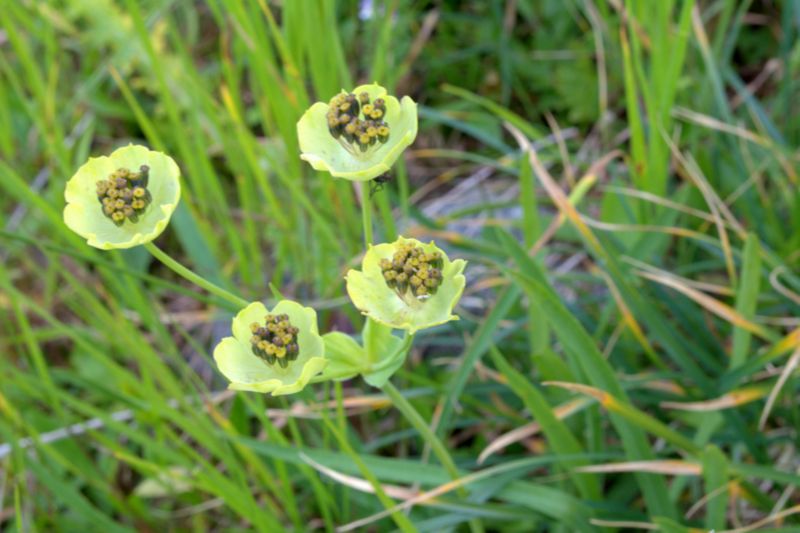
x: 357, y: 123
x: 124, y: 194
x: 275, y: 341
x: 412, y: 270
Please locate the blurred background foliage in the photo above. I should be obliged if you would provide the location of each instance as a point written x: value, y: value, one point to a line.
x: 671, y: 125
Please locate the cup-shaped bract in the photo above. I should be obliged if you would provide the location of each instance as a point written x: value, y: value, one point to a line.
x: 334, y: 150
x: 248, y: 368
x: 378, y: 291
x: 124, y: 199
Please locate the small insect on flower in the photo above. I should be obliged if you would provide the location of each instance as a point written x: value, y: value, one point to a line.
x: 378, y: 183
x: 124, y: 199
x: 407, y: 285
x: 276, y: 351
x: 357, y: 135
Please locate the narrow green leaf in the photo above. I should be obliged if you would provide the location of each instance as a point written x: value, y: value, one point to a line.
x: 561, y: 440
x: 475, y: 349
x: 580, y: 347
x: 746, y: 298
x: 715, y: 474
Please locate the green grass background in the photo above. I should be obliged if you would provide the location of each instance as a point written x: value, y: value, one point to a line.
x: 648, y: 247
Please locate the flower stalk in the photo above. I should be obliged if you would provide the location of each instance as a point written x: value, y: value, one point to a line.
x: 439, y: 450
x: 366, y: 213
x: 190, y: 276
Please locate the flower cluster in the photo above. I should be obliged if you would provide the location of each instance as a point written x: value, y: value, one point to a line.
x: 404, y: 285
x: 357, y: 135
x: 412, y: 270
x: 276, y: 340
x: 345, y: 124
x: 403, y: 302
x: 247, y: 369
x: 135, y: 206
x: 124, y: 195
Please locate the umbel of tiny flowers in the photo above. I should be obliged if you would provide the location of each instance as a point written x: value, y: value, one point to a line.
x: 407, y: 285
x: 124, y: 199
x: 276, y: 351
x: 358, y: 135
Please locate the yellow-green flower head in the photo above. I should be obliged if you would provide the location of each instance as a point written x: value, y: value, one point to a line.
x: 407, y: 285
x: 122, y: 200
x: 276, y: 351
x: 359, y: 135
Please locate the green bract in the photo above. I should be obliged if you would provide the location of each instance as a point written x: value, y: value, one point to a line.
x: 377, y: 360
x: 246, y: 371
x: 83, y: 213
x: 324, y: 152
x: 372, y: 295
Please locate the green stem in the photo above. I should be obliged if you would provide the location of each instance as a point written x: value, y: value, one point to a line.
x: 184, y: 272
x: 341, y: 419
x: 402, y: 521
x: 366, y: 213
x: 416, y: 420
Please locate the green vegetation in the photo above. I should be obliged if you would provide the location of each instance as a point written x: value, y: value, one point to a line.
x: 622, y: 177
